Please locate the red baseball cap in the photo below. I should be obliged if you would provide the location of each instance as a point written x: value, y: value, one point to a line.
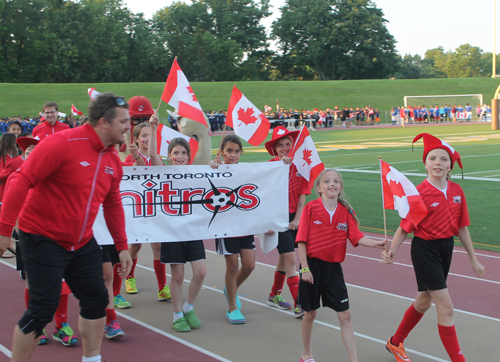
x: 140, y: 107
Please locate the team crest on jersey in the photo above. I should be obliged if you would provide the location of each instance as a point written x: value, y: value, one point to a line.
x: 317, y: 222
x: 342, y: 226
x: 457, y: 199
x: 109, y: 170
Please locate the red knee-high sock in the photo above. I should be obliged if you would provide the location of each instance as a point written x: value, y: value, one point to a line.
x: 410, y: 320
x: 132, y: 271
x: 62, y: 310
x: 26, y: 297
x: 279, y: 281
x: 450, y: 341
x: 160, y: 271
x: 110, y: 315
x: 293, y: 284
x: 117, y: 281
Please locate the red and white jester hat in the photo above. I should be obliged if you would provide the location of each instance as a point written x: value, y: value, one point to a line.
x: 431, y: 143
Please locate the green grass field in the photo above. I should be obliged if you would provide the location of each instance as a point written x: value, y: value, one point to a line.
x: 28, y: 99
x: 355, y: 152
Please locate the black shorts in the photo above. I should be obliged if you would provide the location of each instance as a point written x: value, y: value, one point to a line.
x: 286, y: 239
x: 431, y: 262
x: 329, y: 286
x: 231, y: 246
x: 46, y: 264
x: 109, y: 254
x: 180, y: 252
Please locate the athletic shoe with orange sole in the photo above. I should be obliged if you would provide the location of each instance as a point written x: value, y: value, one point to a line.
x: 398, y: 351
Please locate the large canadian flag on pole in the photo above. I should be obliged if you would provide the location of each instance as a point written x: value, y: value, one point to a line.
x: 247, y: 120
x: 305, y: 157
x: 400, y: 194
x: 166, y: 134
x: 75, y: 111
x: 179, y: 94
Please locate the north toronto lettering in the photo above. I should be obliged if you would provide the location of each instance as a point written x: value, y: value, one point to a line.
x: 178, y: 176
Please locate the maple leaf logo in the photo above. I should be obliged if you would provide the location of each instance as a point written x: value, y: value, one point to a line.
x: 396, y: 188
x: 190, y: 90
x: 306, y: 156
x: 246, y: 116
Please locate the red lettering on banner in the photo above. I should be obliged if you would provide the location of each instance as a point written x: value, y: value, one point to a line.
x: 166, y: 193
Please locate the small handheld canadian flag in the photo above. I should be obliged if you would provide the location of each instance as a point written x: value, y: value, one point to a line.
x: 398, y: 193
x: 306, y: 158
x: 93, y: 93
x: 247, y: 120
x: 75, y: 112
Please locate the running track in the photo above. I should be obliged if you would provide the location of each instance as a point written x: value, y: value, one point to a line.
x: 474, y: 296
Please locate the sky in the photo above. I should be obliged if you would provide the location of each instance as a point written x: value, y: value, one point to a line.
x: 416, y: 25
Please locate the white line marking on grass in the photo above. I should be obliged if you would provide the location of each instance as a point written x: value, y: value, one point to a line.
x: 470, y: 173
x: 177, y: 339
x: 5, y: 351
x: 417, y: 174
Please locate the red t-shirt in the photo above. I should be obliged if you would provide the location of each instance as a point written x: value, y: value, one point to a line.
x: 297, y: 185
x: 327, y: 240
x: 130, y: 160
x: 445, y: 214
x: 6, y: 169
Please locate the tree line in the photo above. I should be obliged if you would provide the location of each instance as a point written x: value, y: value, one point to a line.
x: 86, y: 41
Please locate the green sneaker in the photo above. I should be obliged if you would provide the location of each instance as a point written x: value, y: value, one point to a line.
x: 130, y: 286
x: 65, y: 335
x: 181, y: 325
x: 120, y: 302
x: 164, y: 294
x: 192, y: 319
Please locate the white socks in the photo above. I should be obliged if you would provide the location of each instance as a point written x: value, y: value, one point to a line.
x: 92, y: 359
x: 186, y: 308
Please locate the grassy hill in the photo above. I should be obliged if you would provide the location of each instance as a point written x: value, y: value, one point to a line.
x: 27, y: 99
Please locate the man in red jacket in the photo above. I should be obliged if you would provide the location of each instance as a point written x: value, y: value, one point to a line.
x: 51, y: 123
x: 56, y: 195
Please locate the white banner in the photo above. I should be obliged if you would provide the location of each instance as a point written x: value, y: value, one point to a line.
x: 181, y: 203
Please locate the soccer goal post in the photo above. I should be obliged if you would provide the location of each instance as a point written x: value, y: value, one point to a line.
x: 441, y: 100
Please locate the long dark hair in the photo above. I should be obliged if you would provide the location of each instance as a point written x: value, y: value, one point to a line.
x: 8, y: 145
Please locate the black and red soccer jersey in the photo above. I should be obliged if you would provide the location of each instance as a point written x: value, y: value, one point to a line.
x: 327, y: 240
x: 297, y: 185
x: 445, y: 214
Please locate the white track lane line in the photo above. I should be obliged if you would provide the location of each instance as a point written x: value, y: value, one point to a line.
x: 177, y: 339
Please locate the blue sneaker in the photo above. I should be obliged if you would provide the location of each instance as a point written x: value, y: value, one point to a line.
x: 113, y: 330
x: 235, y: 317
x: 238, y: 301
x: 120, y: 302
x: 43, y: 339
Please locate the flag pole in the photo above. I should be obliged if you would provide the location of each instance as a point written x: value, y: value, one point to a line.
x: 382, y: 188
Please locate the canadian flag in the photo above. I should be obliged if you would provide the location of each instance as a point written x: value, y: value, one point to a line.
x: 179, y: 94
x: 75, y: 111
x: 400, y: 194
x: 305, y: 157
x: 166, y: 134
x: 247, y: 121
x: 93, y: 94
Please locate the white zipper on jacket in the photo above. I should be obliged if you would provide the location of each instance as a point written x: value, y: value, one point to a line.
x: 85, y: 220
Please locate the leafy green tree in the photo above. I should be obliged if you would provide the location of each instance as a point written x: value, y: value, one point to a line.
x: 339, y: 39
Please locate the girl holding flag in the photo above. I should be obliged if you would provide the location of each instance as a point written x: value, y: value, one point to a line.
x: 140, y: 107
x: 280, y: 147
x: 325, y: 226
x: 178, y: 253
x: 432, y: 247
x: 231, y: 149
